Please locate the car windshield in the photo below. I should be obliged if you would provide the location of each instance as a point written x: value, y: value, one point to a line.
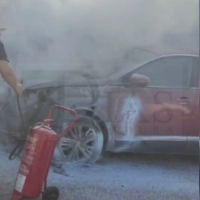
x: 125, y: 70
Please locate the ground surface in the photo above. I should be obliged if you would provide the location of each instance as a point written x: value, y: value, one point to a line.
x: 119, y: 177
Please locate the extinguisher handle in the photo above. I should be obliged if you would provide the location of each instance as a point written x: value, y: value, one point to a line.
x: 68, y: 128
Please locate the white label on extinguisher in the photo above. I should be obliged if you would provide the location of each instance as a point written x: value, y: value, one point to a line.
x: 20, y: 182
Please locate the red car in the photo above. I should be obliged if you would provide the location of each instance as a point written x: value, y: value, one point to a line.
x: 152, y: 108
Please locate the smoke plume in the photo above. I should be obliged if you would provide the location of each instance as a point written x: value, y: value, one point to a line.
x: 96, y: 34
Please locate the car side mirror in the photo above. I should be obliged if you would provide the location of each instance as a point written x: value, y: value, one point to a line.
x: 138, y: 80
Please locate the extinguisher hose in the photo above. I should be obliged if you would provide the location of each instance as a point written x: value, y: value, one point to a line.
x: 21, y: 115
x: 18, y: 148
x: 16, y: 151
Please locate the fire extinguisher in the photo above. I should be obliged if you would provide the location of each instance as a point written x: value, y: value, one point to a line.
x: 41, y: 141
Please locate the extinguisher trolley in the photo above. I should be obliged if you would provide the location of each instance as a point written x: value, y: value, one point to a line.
x: 36, y: 160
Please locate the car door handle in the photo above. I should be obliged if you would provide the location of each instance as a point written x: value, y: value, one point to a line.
x: 184, y: 100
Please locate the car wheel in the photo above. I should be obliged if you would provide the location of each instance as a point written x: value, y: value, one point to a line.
x: 83, y: 143
x: 51, y: 193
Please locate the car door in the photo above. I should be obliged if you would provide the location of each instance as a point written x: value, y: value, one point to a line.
x: 140, y: 110
x: 193, y: 134
x: 192, y: 129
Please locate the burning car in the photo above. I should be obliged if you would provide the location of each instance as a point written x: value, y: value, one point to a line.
x: 150, y: 108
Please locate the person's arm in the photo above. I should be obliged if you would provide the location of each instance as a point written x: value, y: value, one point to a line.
x: 8, y: 74
x: 154, y: 108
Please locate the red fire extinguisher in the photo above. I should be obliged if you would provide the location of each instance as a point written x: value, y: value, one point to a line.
x: 37, y: 156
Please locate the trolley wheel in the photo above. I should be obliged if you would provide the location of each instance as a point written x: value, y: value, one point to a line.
x: 51, y: 193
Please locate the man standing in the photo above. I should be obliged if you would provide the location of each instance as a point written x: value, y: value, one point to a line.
x: 7, y: 72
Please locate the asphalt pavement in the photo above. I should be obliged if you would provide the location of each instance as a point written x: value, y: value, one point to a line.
x: 118, y: 177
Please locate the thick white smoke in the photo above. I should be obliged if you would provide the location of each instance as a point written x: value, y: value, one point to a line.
x: 95, y: 33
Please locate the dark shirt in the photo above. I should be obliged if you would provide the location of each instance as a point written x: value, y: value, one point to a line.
x: 3, y: 55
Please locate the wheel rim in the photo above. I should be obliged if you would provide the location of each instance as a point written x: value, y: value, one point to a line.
x: 79, y: 144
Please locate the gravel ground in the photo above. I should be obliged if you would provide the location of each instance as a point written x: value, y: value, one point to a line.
x: 119, y: 177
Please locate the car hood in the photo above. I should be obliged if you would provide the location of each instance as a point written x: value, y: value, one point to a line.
x: 35, y: 86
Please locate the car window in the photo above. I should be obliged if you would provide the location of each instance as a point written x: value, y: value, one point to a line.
x: 168, y: 72
x: 172, y: 71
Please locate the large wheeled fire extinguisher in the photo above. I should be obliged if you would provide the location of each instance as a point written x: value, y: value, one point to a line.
x: 36, y: 160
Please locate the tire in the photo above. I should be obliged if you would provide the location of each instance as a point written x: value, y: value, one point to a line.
x: 84, y: 143
x: 51, y: 193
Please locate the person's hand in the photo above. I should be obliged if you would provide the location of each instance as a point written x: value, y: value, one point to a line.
x: 19, y: 89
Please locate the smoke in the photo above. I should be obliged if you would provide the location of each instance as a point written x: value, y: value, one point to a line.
x: 96, y: 34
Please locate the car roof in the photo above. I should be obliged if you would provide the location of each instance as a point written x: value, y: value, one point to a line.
x: 159, y: 51
x: 129, y: 68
